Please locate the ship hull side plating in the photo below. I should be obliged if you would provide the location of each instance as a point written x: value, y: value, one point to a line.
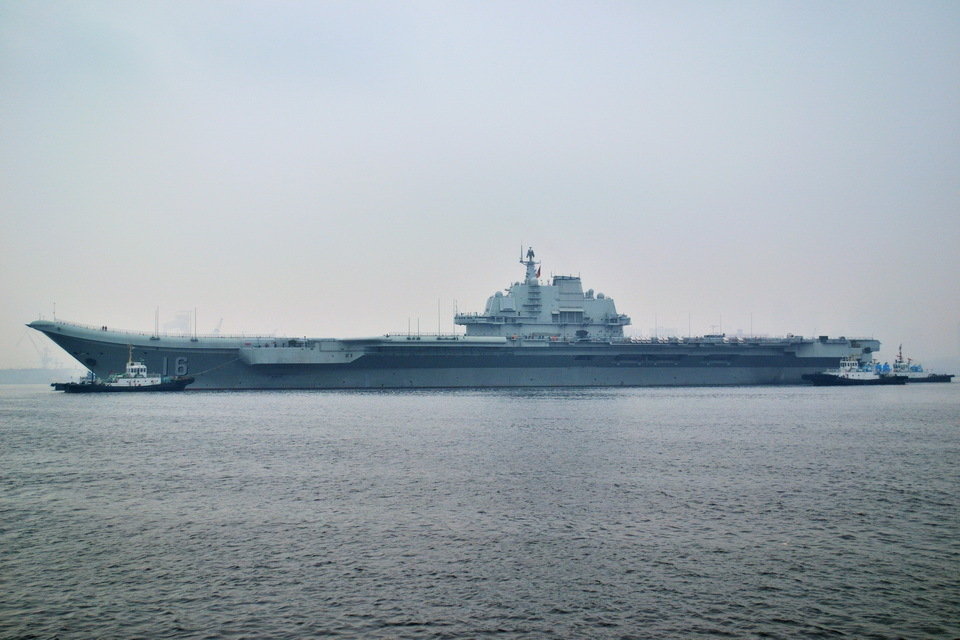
x: 239, y: 363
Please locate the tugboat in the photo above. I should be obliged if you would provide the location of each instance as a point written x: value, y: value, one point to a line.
x: 852, y: 373
x: 134, y: 378
x: 914, y: 370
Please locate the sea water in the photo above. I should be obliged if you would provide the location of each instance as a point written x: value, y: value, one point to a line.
x: 629, y: 513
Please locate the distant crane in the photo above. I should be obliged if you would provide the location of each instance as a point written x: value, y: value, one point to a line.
x: 46, y: 360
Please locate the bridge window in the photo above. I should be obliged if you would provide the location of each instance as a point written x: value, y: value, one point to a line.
x: 571, y: 317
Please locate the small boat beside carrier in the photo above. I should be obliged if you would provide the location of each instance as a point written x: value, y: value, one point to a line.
x: 914, y: 370
x: 852, y: 373
x: 135, y: 378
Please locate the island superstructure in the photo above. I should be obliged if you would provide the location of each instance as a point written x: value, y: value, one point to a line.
x: 531, y: 334
x: 557, y: 312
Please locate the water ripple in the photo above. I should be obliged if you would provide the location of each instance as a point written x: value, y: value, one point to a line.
x: 692, y: 513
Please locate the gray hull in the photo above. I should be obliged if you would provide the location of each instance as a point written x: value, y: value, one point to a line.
x: 448, y: 362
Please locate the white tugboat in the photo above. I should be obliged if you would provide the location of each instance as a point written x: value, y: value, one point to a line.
x: 851, y: 372
x: 134, y: 378
x: 914, y: 370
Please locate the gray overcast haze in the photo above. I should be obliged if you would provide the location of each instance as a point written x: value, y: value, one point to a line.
x: 339, y: 169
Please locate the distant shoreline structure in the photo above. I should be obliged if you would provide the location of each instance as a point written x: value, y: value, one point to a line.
x: 37, y: 376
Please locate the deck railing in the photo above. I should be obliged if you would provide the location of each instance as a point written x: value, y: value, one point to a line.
x: 162, y: 334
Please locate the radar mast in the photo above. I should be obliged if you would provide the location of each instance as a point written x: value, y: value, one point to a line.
x: 533, y: 267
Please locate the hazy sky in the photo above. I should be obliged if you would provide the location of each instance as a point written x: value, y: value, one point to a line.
x: 339, y: 169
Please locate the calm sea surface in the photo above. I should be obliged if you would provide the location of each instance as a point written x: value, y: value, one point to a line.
x: 638, y: 513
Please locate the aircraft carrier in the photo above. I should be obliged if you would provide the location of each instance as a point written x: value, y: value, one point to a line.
x: 532, y: 334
